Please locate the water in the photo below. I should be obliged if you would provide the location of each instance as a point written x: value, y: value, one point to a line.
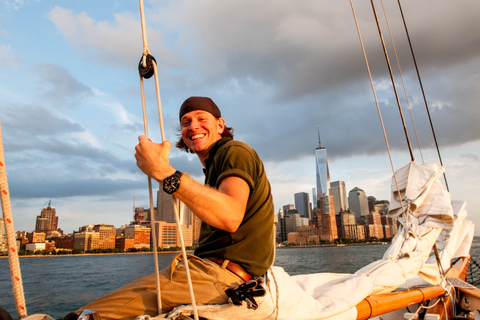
x: 59, y: 285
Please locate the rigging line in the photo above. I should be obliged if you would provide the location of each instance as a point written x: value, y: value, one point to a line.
x: 159, y: 107
x: 393, y: 81
x: 152, y: 213
x: 403, y: 82
x: 423, y: 92
x: 14, y: 263
x: 378, y: 109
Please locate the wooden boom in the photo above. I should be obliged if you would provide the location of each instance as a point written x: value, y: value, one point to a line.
x: 382, y: 303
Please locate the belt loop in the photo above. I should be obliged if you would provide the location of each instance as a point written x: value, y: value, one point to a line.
x: 225, y: 264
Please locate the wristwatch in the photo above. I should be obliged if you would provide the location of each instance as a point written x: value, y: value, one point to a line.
x: 172, y: 183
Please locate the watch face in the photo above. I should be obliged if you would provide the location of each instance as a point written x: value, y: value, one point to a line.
x: 171, y: 184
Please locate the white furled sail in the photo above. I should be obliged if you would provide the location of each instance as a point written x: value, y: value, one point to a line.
x: 428, y: 217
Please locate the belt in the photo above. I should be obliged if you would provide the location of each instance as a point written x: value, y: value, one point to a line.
x: 233, y: 267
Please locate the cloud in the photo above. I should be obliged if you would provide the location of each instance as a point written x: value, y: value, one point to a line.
x: 111, y: 43
x: 13, y: 4
x: 305, y: 69
x: 8, y: 59
x: 27, y: 121
x: 57, y: 85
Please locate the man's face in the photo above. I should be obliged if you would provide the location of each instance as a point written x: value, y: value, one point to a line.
x: 200, y: 130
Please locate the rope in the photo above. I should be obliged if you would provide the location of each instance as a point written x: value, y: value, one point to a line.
x: 378, y: 108
x: 423, y: 92
x: 393, y: 81
x: 403, y: 83
x: 16, y: 276
x: 146, y: 66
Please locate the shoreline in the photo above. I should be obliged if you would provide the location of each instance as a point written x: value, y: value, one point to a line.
x: 188, y: 251
x: 89, y: 254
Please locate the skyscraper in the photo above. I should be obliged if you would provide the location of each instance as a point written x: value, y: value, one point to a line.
x: 323, y: 174
x: 301, y: 204
x: 339, y: 193
x: 165, y: 210
x: 358, y: 202
x: 47, y: 220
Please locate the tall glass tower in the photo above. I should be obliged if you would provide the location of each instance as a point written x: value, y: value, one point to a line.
x: 323, y: 174
x: 339, y: 193
x: 301, y: 204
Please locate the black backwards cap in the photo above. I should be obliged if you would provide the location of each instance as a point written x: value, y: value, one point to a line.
x: 199, y: 103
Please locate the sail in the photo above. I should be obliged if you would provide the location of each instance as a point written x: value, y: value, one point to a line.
x: 427, y: 216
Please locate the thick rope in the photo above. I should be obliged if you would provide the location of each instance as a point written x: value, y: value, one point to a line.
x: 152, y: 213
x: 17, y: 283
x: 145, y: 60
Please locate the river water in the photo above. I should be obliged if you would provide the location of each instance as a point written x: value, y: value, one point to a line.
x: 59, y: 285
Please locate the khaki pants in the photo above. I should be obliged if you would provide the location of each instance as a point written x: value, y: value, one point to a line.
x: 140, y: 296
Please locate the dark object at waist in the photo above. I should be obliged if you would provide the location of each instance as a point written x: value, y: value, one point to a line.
x: 233, y: 267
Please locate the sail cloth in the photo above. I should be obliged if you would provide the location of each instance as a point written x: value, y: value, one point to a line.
x: 430, y: 217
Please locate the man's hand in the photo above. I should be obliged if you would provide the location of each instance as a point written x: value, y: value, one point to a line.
x: 152, y: 158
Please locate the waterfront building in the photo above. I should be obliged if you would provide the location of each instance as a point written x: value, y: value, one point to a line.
x: 358, y: 202
x: 123, y: 243
x: 166, y: 212
x: 346, y: 225
x: 373, y: 225
x: 47, y: 220
x: 302, y: 204
x: 387, y: 231
x: 36, y: 237
x: 107, y: 235
x: 322, y: 171
x: 308, y: 231
x: 287, y: 226
x: 141, y: 235
x: 35, y: 246
x: 50, y: 246
x: 87, y: 240
x: 323, y: 218
x: 166, y: 234
x: 64, y: 242
x: 295, y: 238
x: 339, y: 193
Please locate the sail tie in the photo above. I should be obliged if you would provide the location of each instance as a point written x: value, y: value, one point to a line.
x: 147, y: 68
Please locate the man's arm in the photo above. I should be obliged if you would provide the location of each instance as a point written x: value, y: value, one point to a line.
x: 223, y: 208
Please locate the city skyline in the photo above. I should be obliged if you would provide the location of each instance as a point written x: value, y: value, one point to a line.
x: 71, y: 102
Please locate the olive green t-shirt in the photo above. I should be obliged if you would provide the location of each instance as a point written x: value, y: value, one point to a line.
x: 251, y: 246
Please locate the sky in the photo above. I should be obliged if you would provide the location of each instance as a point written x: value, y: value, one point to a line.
x: 281, y: 71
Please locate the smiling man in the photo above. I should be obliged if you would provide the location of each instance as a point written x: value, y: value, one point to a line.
x: 235, y: 205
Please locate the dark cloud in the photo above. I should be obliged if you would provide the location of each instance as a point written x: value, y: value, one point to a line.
x: 33, y: 187
x: 32, y: 120
x: 57, y: 85
x: 284, y: 69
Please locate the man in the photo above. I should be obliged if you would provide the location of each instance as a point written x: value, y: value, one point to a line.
x: 235, y: 206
